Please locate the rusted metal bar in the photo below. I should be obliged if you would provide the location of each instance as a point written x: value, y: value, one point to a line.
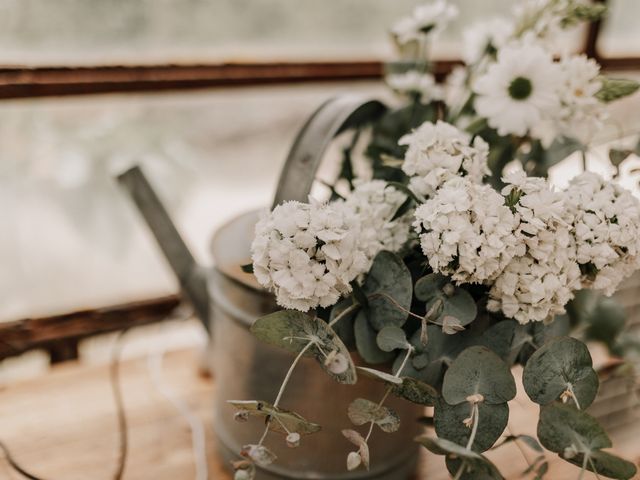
x: 60, y: 334
x: 27, y: 82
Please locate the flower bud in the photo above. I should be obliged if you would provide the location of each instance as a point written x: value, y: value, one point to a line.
x: 354, y: 460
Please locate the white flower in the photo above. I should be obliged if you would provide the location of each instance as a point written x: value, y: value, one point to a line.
x: 308, y: 253
x: 538, y: 284
x: 374, y: 204
x: 414, y: 83
x: 426, y: 19
x: 466, y: 231
x: 439, y: 152
x: 484, y: 36
x: 519, y: 89
x: 606, y: 230
x: 456, y: 91
x: 581, y: 114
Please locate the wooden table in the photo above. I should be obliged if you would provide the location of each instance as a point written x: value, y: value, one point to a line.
x: 62, y: 426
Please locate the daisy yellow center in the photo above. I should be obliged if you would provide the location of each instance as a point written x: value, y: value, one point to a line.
x: 520, y: 88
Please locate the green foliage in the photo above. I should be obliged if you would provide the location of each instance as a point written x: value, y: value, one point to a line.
x: 492, y: 420
x: 416, y: 391
x: 578, y: 438
x: 477, y: 466
x: 365, y: 337
x: 293, y: 330
x: 392, y: 338
x: 363, y: 411
x: 388, y: 283
x: 283, y: 421
x: 344, y: 327
x: 385, y: 377
x: 478, y: 370
x: 443, y: 299
x: 616, y: 88
x: 538, y: 160
x: 561, y: 367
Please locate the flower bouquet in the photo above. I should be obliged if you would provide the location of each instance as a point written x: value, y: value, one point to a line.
x: 442, y: 282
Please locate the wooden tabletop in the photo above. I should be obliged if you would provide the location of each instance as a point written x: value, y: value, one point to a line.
x: 62, y: 426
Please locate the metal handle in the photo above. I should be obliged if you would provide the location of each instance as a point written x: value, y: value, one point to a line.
x: 192, y: 277
x: 330, y: 119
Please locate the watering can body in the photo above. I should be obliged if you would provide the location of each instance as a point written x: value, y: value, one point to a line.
x: 229, y: 301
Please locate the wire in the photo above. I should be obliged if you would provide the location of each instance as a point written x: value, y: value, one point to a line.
x: 120, y: 411
x: 198, y: 439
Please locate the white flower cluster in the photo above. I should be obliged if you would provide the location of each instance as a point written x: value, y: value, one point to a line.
x: 466, y: 231
x: 606, y: 229
x: 428, y: 19
x: 308, y: 254
x: 484, y: 36
x: 539, y: 282
x: 414, y: 83
x: 374, y: 204
x: 439, y: 152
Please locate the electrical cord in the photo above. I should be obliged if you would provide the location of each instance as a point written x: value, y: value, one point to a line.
x: 114, y: 376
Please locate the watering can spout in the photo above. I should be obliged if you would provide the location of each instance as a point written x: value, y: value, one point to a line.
x: 192, y: 277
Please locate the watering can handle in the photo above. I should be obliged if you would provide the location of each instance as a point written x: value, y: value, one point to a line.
x: 330, y: 119
x: 192, y: 277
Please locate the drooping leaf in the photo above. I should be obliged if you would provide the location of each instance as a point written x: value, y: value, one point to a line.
x: 492, y: 420
x: 388, y: 281
x: 478, y: 370
x: 392, y: 338
x: 259, y: 454
x: 615, y: 88
x: 363, y: 411
x: 474, y: 470
x: 379, y: 375
x: 359, y: 441
x: 280, y: 418
x: 366, y: 341
x: 561, y: 366
x: 563, y: 426
x: 293, y: 330
x: 605, y: 464
x: 529, y: 440
x: 442, y: 446
x: 416, y: 391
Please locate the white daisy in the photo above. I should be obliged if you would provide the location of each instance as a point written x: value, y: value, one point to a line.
x: 485, y: 36
x: 519, y: 89
x: 428, y: 19
x: 414, y: 83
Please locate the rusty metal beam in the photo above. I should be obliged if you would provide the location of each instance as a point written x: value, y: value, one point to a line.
x: 17, y: 82
x: 60, y: 334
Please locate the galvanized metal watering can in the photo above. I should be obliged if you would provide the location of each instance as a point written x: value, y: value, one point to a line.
x: 228, y: 301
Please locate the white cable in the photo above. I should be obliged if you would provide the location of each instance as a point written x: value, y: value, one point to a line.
x: 198, y: 439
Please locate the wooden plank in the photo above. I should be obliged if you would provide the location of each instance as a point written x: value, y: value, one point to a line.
x: 63, y: 425
x: 61, y: 331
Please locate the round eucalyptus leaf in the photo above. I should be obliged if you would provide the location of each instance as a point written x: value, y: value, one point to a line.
x: 492, y: 420
x: 478, y: 370
x: 294, y: 330
x: 388, y: 277
x: 563, y: 426
x: 366, y: 341
x: 420, y: 361
x: 430, y: 286
x: 392, y: 338
x: 605, y: 321
x: 416, y: 391
x: 378, y: 375
x: 606, y: 464
x: 560, y: 365
x: 500, y: 339
x: 474, y: 470
x: 460, y: 305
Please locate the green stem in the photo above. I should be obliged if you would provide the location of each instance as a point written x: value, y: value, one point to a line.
x: 573, y: 396
x: 343, y: 314
x: 584, y: 466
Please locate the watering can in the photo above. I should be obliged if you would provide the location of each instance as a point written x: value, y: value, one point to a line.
x: 228, y: 301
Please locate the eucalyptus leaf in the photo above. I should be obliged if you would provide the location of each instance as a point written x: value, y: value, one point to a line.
x: 458, y: 304
x: 366, y: 344
x: 363, y: 411
x: 606, y: 464
x: 492, y: 420
x: 529, y: 440
x: 344, y: 326
x: 280, y: 418
x: 561, y: 365
x: 392, y: 338
x: 430, y: 286
x: 389, y: 278
x: 563, y: 426
x: 478, y: 370
x: 293, y: 330
x: 474, y: 470
x: 416, y: 391
x: 442, y: 446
